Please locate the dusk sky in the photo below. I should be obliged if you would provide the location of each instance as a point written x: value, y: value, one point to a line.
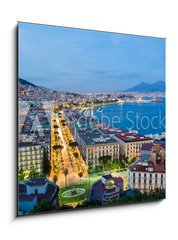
x: 88, y: 61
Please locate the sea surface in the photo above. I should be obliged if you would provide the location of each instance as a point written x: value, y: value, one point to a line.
x: 146, y: 118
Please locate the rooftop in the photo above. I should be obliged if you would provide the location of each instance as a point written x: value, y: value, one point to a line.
x: 144, y: 158
x: 132, y: 137
x: 150, y: 167
x: 37, y: 181
x: 109, y: 176
x: 95, y: 137
x: 112, y: 130
x: 51, y: 191
x: 149, y: 146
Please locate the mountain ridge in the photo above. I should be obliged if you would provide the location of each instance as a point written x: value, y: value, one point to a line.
x: 158, y: 86
x: 25, y: 82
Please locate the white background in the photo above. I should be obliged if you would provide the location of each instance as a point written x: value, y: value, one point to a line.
x: 144, y: 221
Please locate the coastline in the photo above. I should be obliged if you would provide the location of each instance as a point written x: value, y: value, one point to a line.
x: 131, y: 117
x: 118, y: 103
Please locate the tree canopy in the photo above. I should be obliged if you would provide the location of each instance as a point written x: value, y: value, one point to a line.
x: 66, y: 171
x: 76, y: 154
x: 21, y: 175
x: 73, y: 144
x: 80, y: 174
x: 58, y: 147
x: 46, y: 163
x: 44, y: 206
x: 33, y: 173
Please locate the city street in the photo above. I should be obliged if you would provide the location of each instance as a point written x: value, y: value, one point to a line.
x: 64, y: 158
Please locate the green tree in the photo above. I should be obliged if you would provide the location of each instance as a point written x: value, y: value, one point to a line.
x: 73, y: 144
x: 21, y: 175
x: 124, y: 160
x: 60, y: 107
x: 90, y: 166
x: 80, y: 176
x: 58, y: 147
x: 55, y: 178
x: 46, y: 163
x: 63, y: 121
x: 76, y: 154
x: 130, y: 162
x: 105, y: 160
x: 44, y: 206
x: 157, y: 194
x: 33, y: 173
x: 66, y: 172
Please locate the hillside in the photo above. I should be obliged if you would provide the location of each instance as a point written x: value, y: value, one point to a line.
x: 25, y: 82
x: 147, y: 87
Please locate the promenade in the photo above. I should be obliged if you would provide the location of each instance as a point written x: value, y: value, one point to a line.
x: 64, y: 157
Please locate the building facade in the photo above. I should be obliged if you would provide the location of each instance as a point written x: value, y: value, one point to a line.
x: 148, y: 173
x: 30, y: 155
x: 146, y: 178
x: 131, y: 143
x: 105, y: 190
x: 93, y: 145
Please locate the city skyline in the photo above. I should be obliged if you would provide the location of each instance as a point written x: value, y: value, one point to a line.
x: 83, y: 141
x: 86, y: 61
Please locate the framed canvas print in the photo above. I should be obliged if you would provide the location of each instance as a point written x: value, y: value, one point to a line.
x: 91, y: 119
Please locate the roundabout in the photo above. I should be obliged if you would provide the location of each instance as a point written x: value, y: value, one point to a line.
x: 74, y: 192
x: 74, y: 195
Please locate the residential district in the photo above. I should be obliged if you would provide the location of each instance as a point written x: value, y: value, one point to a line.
x: 67, y: 159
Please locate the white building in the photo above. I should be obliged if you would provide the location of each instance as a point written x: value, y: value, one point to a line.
x: 148, y: 173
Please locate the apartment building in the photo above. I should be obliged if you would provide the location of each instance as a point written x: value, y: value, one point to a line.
x: 130, y: 143
x: 148, y: 173
x: 94, y: 145
x: 146, y: 177
x: 30, y: 154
